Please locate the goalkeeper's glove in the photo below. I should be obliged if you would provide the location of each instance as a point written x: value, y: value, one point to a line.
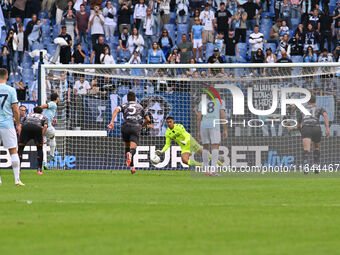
x: 183, y: 142
x: 159, y: 152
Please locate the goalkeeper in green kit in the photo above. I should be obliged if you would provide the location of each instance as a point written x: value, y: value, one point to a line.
x: 187, y: 143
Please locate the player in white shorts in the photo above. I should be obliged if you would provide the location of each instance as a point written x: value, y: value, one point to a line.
x: 209, y: 134
x: 49, y: 112
x: 8, y: 135
x: 197, y: 39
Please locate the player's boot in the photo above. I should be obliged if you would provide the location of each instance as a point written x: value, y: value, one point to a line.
x: 19, y: 183
x: 50, y: 158
x: 40, y: 172
x: 128, y: 158
x: 133, y: 170
x: 45, y: 167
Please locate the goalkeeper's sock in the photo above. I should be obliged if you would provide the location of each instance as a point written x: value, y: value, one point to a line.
x: 214, y: 157
x: 20, y: 151
x: 306, y: 155
x: 316, y: 155
x: 16, y: 166
x: 40, y: 157
x: 194, y: 163
x: 133, y: 152
x: 52, y: 146
x: 205, y: 156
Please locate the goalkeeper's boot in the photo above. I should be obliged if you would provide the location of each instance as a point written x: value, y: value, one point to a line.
x: 128, y: 158
x: 133, y: 170
x: 19, y: 183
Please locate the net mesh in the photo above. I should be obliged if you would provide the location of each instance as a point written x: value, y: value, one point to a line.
x: 88, y: 97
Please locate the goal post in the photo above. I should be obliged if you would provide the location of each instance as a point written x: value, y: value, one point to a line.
x: 253, y: 97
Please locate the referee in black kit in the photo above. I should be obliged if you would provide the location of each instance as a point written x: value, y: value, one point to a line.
x: 34, y: 126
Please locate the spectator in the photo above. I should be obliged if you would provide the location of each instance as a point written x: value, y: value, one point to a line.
x: 314, y: 20
x: 10, y: 42
x: 154, y: 6
x: 284, y: 29
x: 149, y: 29
x: 241, y: 26
x: 77, y: 5
x: 336, y: 15
x: 296, y: 45
x: 277, y: 8
x: 110, y: 22
x: 326, y: 29
x: 28, y: 30
x: 223, y: 19
x: 98, y: 49
x: 215, y: 59
x: 81, y: 86
x: 296, y: 8
x: 5, y: 58
x: 18, y: 8
x: 46, y: 6
x: 232, y: 7
x: 96, y: 23
x: 219, y: 43
x: 70, y: 23
x: 336, y: 38
x: 231, y: 48
x: 311, y: 38
x: 207, y: 18
x: 6, y: 7
x: 324, y: 57
x: 15, y: 25
x: 93, y: 4
x: 79, y: 55
x: 164, y: 11
x: 136, y: 42
x: 284, y: 45
x: 165, y: 42
x: 18, y: 47
x: 69, y: 7
x: 155, y: 55
x: 285, y: 12
x: 174, y: 57
x: 258, y: 56
x: 190, y: 72
x: 197, y: 39
x: 123, y: 48
x: 270, y: 57
x: 65, y: 51
x: 82, y: 20
x: 250, y: 8
x: 32, y: 7
x: 256, y: 40
x: 35, y: 35
x: 275, y: 32
x: 310, y: 56
x: 124, y: 15
x: 21, y: 90
x: 33, y: 91
x: 139, y: 13
x: 106, y: 57
x: 60, y: 5
x: 300, y: 30
x: 192, y: 19
x: 186, y: 49
x: 182, y: 11
x: 284, y: 58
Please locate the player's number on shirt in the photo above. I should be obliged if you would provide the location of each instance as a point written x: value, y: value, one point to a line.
x: 211, y: 106
x: 3, y: 97
x: 133, y: 107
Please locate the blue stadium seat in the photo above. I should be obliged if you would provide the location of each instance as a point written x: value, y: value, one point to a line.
x: 124, y: 56
x: 268, y: 22
x: 11, y: 21
x: 173, y: 17
x: 123, y: 90
x: 209, y: 51
x: 171, y: 31
x: 37, y: 46
x: 295, y: 23
x: 51, y: 48
x: 43, y: 15
x: 3, y: 37
x: 46, y: 40
x: 297, y: 59
x: 181, y: 29
x: 270, y: 45
x: 26, y: 20
x: 242, y: 48
x: 56, y: 31
x: 265, y: 30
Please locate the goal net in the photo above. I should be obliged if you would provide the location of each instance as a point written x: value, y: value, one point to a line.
x: 252, y: 97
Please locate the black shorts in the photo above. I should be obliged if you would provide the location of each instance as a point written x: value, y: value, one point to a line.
x: 314, y: 133
x: 29, y: 132
x: 131, y: 133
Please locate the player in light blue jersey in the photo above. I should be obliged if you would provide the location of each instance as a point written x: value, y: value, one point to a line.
x: 50, y: 110
x: 8, y: 110
x: 197, y: 34
x: 210, y: 133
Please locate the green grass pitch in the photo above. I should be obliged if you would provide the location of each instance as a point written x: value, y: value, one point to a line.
x: 167, y: 212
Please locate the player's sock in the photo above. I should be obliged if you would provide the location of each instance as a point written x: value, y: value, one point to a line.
x: 306, y: 155
x: 194, y: 163
x: 15, y: 166
x: 133, y: 152
x: 316, y: 155
x: 214, y: 157
x: 52, y: 146
x: 127, y: 149
x: 40, y: 157
x: 205, y: 156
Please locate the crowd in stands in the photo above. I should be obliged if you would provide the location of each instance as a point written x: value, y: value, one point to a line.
x: 166, y: 31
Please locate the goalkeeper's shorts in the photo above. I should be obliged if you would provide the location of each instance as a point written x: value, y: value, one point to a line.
x: 193, y: 146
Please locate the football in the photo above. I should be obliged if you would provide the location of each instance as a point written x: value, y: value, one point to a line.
x: 155, y: 159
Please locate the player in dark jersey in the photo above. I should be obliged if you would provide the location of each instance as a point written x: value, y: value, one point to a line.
x: 34, y: 126
x: 311, y: 131
x: 134, y: 115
